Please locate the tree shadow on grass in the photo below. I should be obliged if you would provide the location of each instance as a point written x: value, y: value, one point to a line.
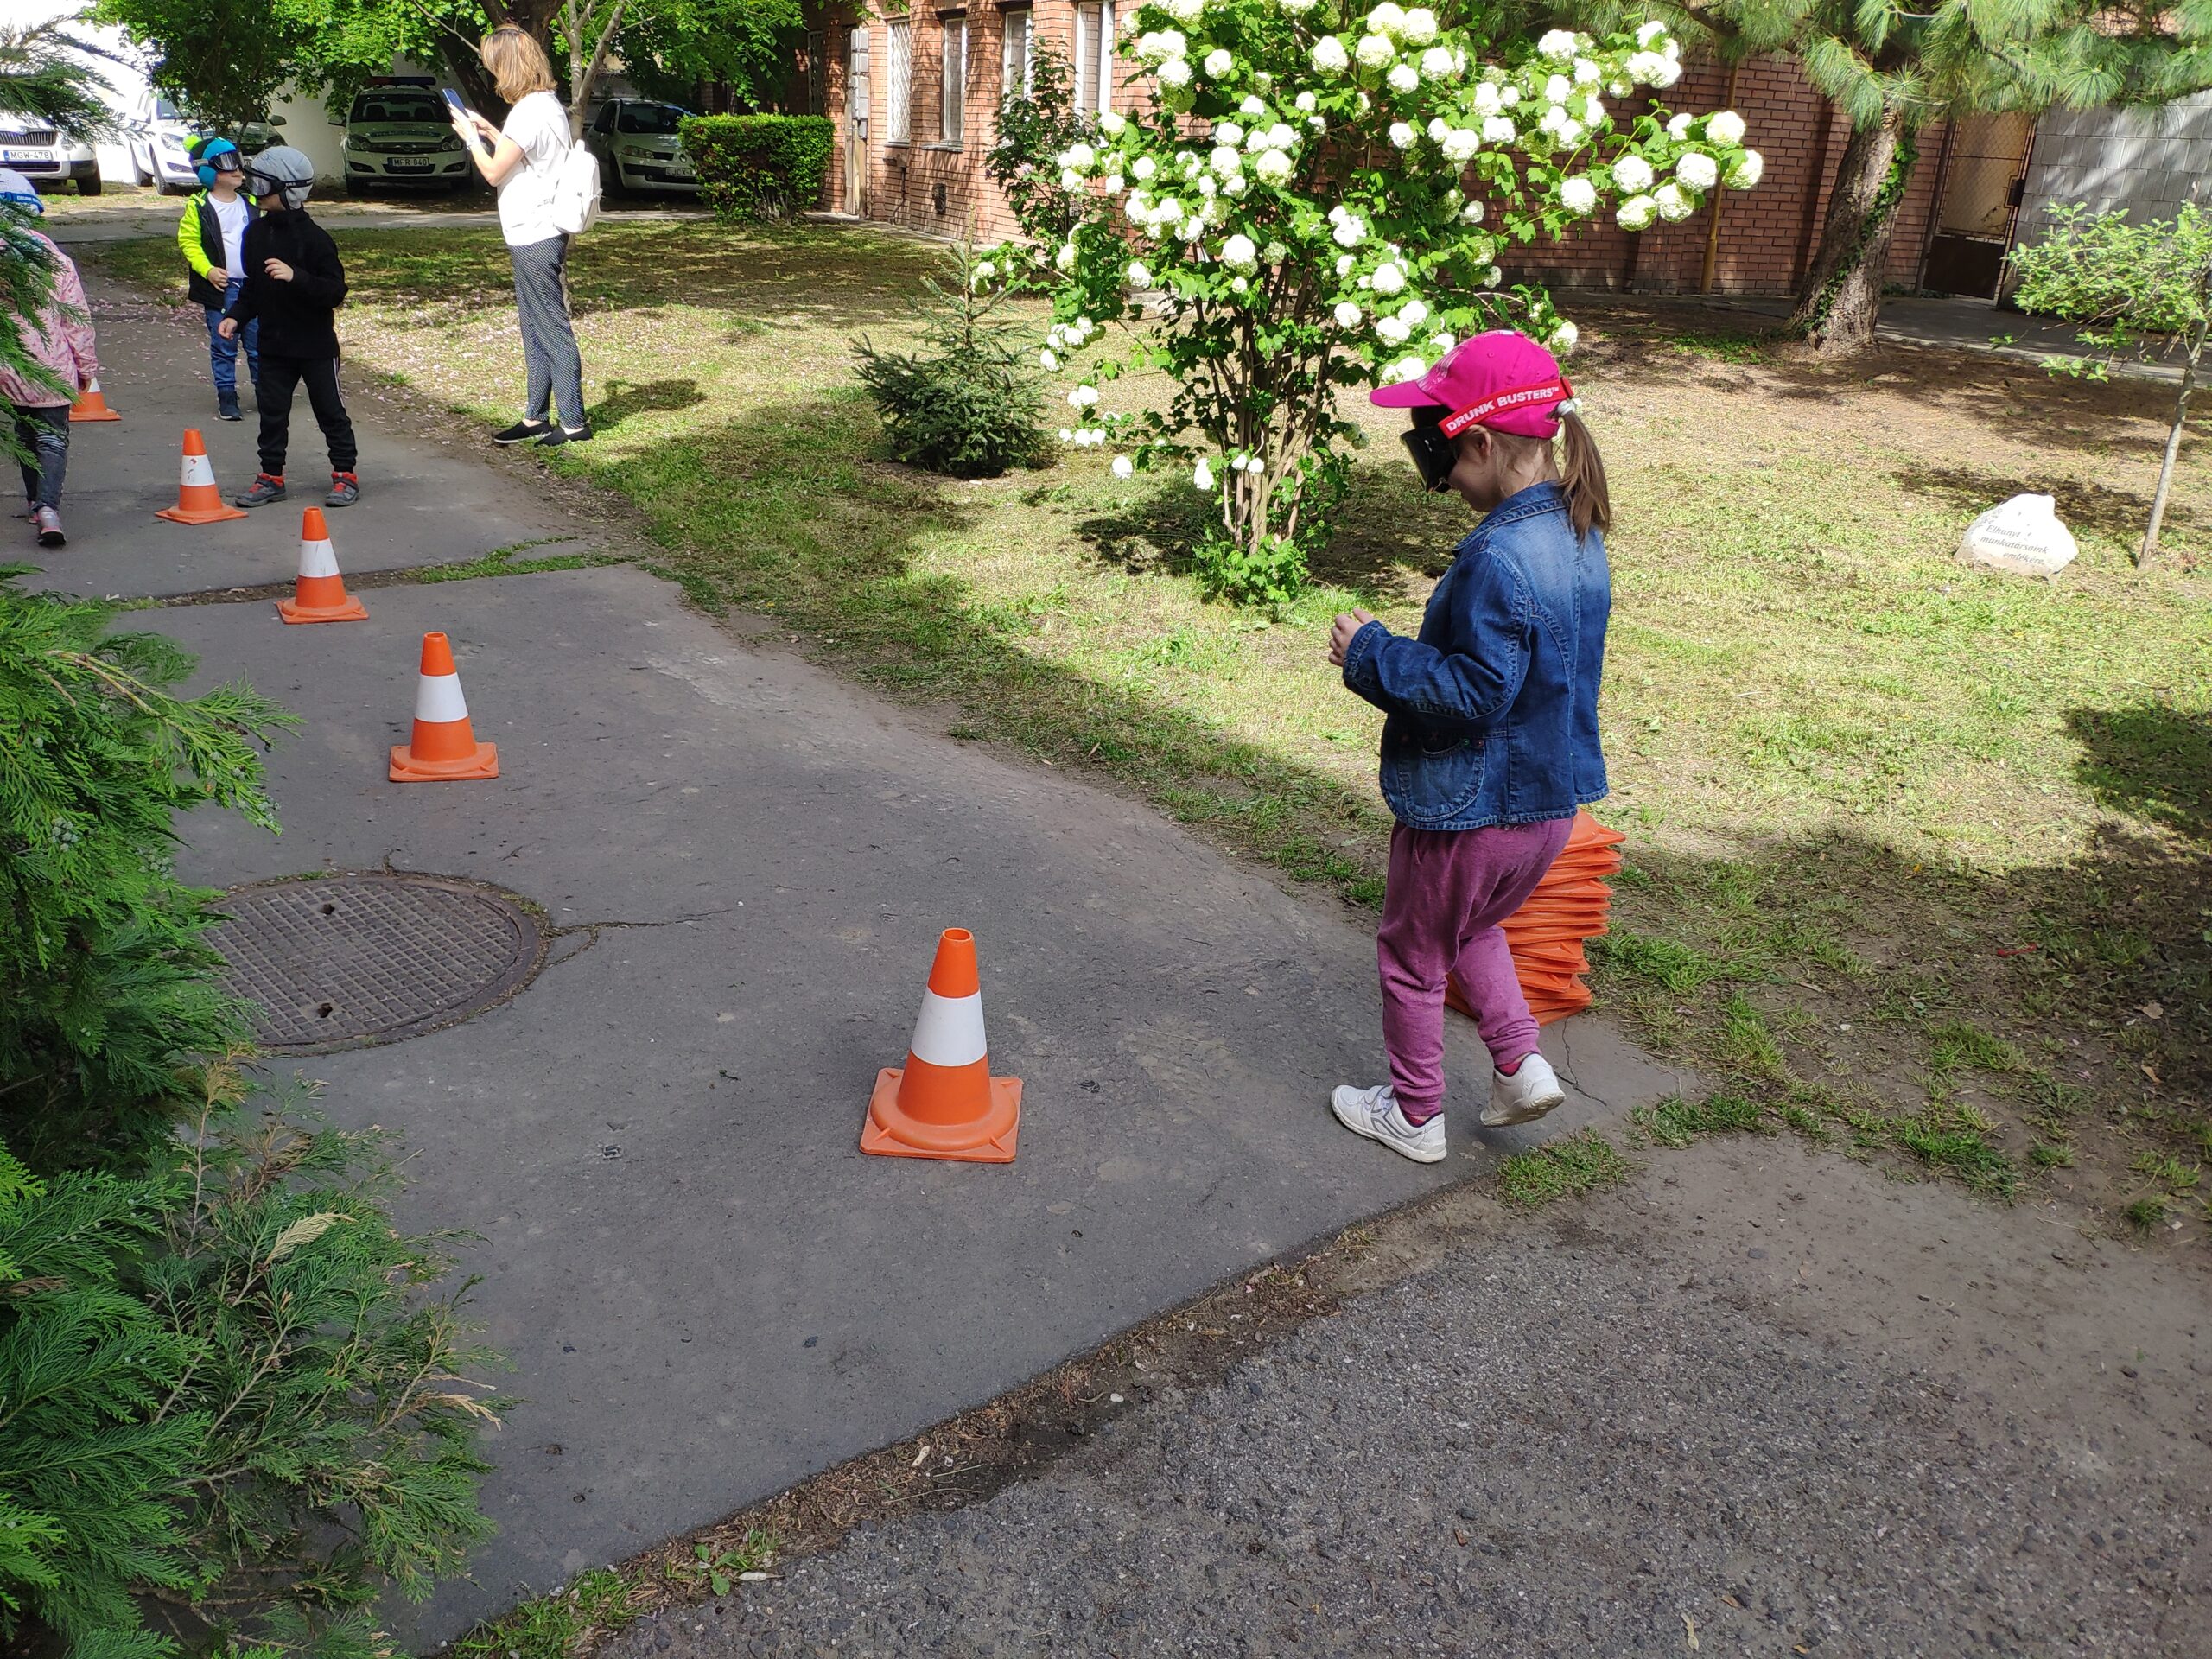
x: 1390, y: 540
x: 2149, y: 761
x: 2118, y: 515
x: 1151, y: 528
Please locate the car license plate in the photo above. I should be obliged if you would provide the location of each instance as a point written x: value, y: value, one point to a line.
x: 407, y: 167
x: 12, y: 155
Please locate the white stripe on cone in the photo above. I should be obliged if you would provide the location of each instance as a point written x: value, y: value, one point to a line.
x: 197, y: 471
x: 437, y: 696
x: 320, y: 559
x: 951, y: 1030
x: 92, y: 386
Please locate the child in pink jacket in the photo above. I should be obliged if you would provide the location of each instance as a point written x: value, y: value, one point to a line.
x: 60, y: 340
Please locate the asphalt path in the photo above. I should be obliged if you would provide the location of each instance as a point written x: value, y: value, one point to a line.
x: 1766, y: 1402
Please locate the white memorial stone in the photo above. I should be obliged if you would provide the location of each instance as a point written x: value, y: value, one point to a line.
x: 2023, y: 536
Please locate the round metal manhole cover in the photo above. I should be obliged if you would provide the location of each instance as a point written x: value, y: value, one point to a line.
x: 349, y: 959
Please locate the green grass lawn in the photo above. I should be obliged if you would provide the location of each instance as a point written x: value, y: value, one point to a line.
x: 1918, y: 856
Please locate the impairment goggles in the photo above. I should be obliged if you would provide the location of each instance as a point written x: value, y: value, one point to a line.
x: 1433, y: 454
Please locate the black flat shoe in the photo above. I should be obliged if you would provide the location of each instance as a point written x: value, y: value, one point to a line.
x: 557, y: 435
x: 523, y: 432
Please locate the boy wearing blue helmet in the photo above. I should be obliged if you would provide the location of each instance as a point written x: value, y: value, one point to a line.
x: 212, y: 235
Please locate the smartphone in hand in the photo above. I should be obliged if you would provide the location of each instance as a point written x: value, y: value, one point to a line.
x: 453, y: 103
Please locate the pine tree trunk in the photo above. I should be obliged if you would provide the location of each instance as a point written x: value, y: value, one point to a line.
x: 1841, y: 294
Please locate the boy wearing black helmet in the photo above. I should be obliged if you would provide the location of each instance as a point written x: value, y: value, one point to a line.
x: 294, y: 286
x: 212, y: 236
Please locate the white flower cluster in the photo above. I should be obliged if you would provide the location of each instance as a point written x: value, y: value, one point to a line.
x: 1216, y: 208
x: 1657, y: 60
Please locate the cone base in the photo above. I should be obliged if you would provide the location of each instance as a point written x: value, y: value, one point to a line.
x: 200, y: 515
x: 352, y: 611
x: 406, y: 769
x: 890, y: 1133
x: 77, y: 417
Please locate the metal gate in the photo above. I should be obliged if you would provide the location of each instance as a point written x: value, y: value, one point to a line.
x: 1985, y: 169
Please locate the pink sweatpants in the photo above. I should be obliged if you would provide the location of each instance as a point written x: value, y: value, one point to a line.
x: 1448, y: 890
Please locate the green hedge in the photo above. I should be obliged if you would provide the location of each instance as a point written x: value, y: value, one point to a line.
x: 757, y: 167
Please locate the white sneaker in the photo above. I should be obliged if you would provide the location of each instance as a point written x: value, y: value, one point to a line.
x: 1525, y: 1097
x: 1374, y: 1112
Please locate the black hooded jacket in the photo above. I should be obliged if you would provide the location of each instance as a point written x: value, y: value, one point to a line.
x: 295, y: 316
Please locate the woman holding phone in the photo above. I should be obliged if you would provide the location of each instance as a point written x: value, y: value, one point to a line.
x: 523, y: 164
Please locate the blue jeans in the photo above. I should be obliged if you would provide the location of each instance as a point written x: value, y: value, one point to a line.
x: 44, y: 434
x: 223, y: 354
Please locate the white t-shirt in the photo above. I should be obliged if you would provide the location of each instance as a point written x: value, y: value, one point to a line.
x: 539, y: 127
x: 231, y: 216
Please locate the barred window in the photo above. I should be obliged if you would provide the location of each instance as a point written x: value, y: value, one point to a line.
x: 898, y: 94
x: 1018, y: 73
x: 1094, y: 56
x: 953, y: 83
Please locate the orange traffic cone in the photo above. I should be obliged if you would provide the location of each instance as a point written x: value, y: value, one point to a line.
x: 319, y: 594
x: 444, y: 745
x: 198, y: 500
x: 90, y: 406
x: 944, y: 1102
x: 1547, y: 933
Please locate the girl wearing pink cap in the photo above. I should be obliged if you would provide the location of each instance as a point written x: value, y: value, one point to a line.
x: 1491, y: 741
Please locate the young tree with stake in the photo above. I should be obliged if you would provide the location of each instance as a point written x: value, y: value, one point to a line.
x: 2129, y: 287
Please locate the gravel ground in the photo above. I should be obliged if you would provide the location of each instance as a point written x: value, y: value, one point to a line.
x: 1551, y: 1445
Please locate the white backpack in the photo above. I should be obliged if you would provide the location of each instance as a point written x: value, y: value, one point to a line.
x: 576, y: 191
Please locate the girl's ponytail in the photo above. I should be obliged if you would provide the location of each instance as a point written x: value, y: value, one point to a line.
x: 1582, y: 477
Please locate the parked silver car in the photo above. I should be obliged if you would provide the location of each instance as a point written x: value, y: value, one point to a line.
x: 157, y: 137
x: 635, y: 140
x: 45, y: 156
x: 399, y: 134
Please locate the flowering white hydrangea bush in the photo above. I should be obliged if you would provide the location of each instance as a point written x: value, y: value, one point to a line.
x: 1316, y: 198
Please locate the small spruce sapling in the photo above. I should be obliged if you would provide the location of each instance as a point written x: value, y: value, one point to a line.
x: 966, y: 403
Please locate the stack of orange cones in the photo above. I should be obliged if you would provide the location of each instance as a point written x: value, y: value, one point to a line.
x: 198, y: 500
x: 944, y: 1102
x: 90, y: 406
x: 1547, y: 933
x: 319, y: 594
x: 443, y: 746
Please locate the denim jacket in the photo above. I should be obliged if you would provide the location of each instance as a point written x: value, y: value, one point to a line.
x: 1493, y: 708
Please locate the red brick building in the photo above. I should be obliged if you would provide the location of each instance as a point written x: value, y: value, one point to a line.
x: 912, y: 141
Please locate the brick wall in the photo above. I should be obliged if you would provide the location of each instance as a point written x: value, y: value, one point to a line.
x: 1767, y: 234
x: 925, y: 182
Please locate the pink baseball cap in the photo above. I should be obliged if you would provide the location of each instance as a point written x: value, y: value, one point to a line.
x: 1500, y: 379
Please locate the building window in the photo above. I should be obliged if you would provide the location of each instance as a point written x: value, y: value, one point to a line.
x: 818, y: 74
x: 953, y: 82
x: 1094, y: 57
x: 1018, y: 74
x: 898, y: 59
